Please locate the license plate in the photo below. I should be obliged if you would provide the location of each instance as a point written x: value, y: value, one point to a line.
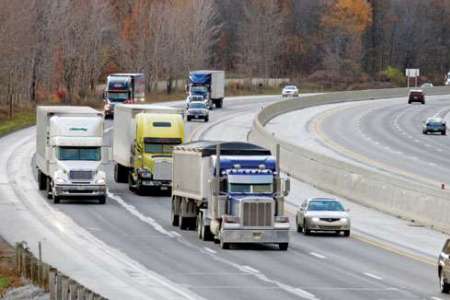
x: 257, y: 235
x: 164, y: 188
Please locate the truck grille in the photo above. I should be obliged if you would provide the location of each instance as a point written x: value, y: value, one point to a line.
x: 257, y: 214
x: 81, y: 175
x: 163, y: 170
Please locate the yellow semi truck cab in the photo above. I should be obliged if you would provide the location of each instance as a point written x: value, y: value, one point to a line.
x: 151, y: 153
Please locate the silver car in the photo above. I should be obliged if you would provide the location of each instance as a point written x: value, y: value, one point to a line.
x: 323, y: 214
x: 197, y: 110
x: 289, y: 91
x: 444, y: 268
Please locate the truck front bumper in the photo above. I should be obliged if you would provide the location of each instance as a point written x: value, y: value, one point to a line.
x: 73, y: 190
x: 259, y: 236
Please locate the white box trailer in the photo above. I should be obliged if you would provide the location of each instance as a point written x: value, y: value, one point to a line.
x: 244, y: 204
x: 70, y: 152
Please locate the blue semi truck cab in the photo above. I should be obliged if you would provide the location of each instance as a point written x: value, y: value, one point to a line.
x: 230, y: 192
x: 208, y: 83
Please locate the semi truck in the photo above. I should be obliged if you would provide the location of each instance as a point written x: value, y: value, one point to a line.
x: 231, y: 192
x: 123, y: 88
x: 144, y: 136
x: 210, y: 84
x: 70, y: 152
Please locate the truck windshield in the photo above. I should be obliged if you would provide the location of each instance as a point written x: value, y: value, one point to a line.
x: 117, y: 97
x: 250, y: 188
x: 158, y: 148
x: 78, y: 153
x: 199, y: 89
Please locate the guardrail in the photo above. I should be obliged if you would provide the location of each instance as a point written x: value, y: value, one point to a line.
x: 422, y: 203
x: 59, y: 286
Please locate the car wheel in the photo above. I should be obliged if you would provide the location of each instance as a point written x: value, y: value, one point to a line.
x: 445, y: 287
x: 346, y: 233
x: 444, y: 132
x: 102, y: 200
x: 306, y: 231
x: 188, y: 119
x: 425, y: 132
x: 409, y: 102
x: 206, y: 119
x: 423, y: 102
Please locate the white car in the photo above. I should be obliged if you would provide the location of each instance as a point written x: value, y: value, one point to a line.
x: 195, y: 98
x: 323, y: 214
x: 289, y: 91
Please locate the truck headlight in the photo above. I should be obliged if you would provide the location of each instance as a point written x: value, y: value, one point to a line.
x: 143, y: 173
x: 282, y: 222
x: 231, y: 222
x: 100, y: 178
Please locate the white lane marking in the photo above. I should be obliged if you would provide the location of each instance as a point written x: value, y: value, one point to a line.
x: 175, y: 233
x: 249, y: 269
x: 133, y: 210
x: 436, y: 298
x: 431, y: 164
x: 373, y: 276
x: 317, y: 255
x: 305, y: 294
x: 210, y: 250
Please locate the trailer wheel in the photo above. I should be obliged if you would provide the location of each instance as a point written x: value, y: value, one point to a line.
x: 42, y: 180
x: 283, y: 246
x: 184, y: 222
x: 173, y: 217
x: 200, y: 229
x: 49, y: 188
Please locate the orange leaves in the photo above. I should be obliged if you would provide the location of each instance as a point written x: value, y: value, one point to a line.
x: 348, y: 16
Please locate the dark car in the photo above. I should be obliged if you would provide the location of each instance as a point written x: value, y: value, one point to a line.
x: 432, y: 125
x: 416, y: 96
x: 444, y: 268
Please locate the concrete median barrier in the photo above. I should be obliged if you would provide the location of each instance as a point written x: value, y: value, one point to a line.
x: 428, y: 205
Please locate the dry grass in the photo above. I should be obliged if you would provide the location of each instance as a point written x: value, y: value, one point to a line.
x: 8, y: 275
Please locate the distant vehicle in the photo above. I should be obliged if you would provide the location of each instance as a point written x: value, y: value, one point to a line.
x: 322, y: 214
x: 444, y: 268
x: 197, y: 110
x: 125, y: 88
x: 416, y: 96
x: 290, y: 91
x: 432, y: 125
x: 231, y: 192
x: 195, y: 99
x: 427, y: 85
x: 69, y: 153
x: 211, y: 84
x: 144, y: 136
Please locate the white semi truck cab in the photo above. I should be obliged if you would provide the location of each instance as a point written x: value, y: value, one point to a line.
x: 70, y: 152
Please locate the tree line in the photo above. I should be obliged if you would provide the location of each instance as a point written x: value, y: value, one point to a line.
x: 63, y: 49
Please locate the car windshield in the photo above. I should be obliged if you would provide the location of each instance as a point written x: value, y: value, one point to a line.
x: 197, y: 105
x: 250, y: 188
x: 158, y: 148
x: 117, y: 97
x: 325, y: 205
x: 77, y: 153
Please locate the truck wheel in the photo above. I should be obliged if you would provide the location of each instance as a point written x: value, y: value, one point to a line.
x: 184, y: 222
x: 206, y: 119
x: 219, y: 103
x: 283, y: 246
x: 224, y: 245
x: 42, y: 180
x: 56, y: 199
x: 188, y: 119
x: 49, y: 189
x: 200, y: 229
x: 174, y: 219
x: 102, y: 200
x: 120, y: 173
x: 443, y: 132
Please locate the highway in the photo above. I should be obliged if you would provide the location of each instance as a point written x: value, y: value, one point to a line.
x: 314, y: 267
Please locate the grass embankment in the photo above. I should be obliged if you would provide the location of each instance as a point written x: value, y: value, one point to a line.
x: 20, y: 120
x: 8, y: 275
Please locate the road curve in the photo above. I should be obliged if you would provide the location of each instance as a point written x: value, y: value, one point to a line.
x: 318, y: 267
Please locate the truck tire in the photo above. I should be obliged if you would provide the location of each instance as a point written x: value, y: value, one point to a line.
x: 219, y: 103
x: 120, y: 173
x: 174, y: 218
x: 184, y: 222
x: 102, y: 199
x: 203, y: 232
x: 224, y: 245
x: 42, y: 180
x: 283, y: 246
x: 299, y: 227
x: 206, y: 119
x: 444, y: 132
x: 56, y: 199
x: 49, y: 188
x: 188, y: 119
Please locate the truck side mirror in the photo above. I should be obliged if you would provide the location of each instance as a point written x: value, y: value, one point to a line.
x: 286, y: 186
